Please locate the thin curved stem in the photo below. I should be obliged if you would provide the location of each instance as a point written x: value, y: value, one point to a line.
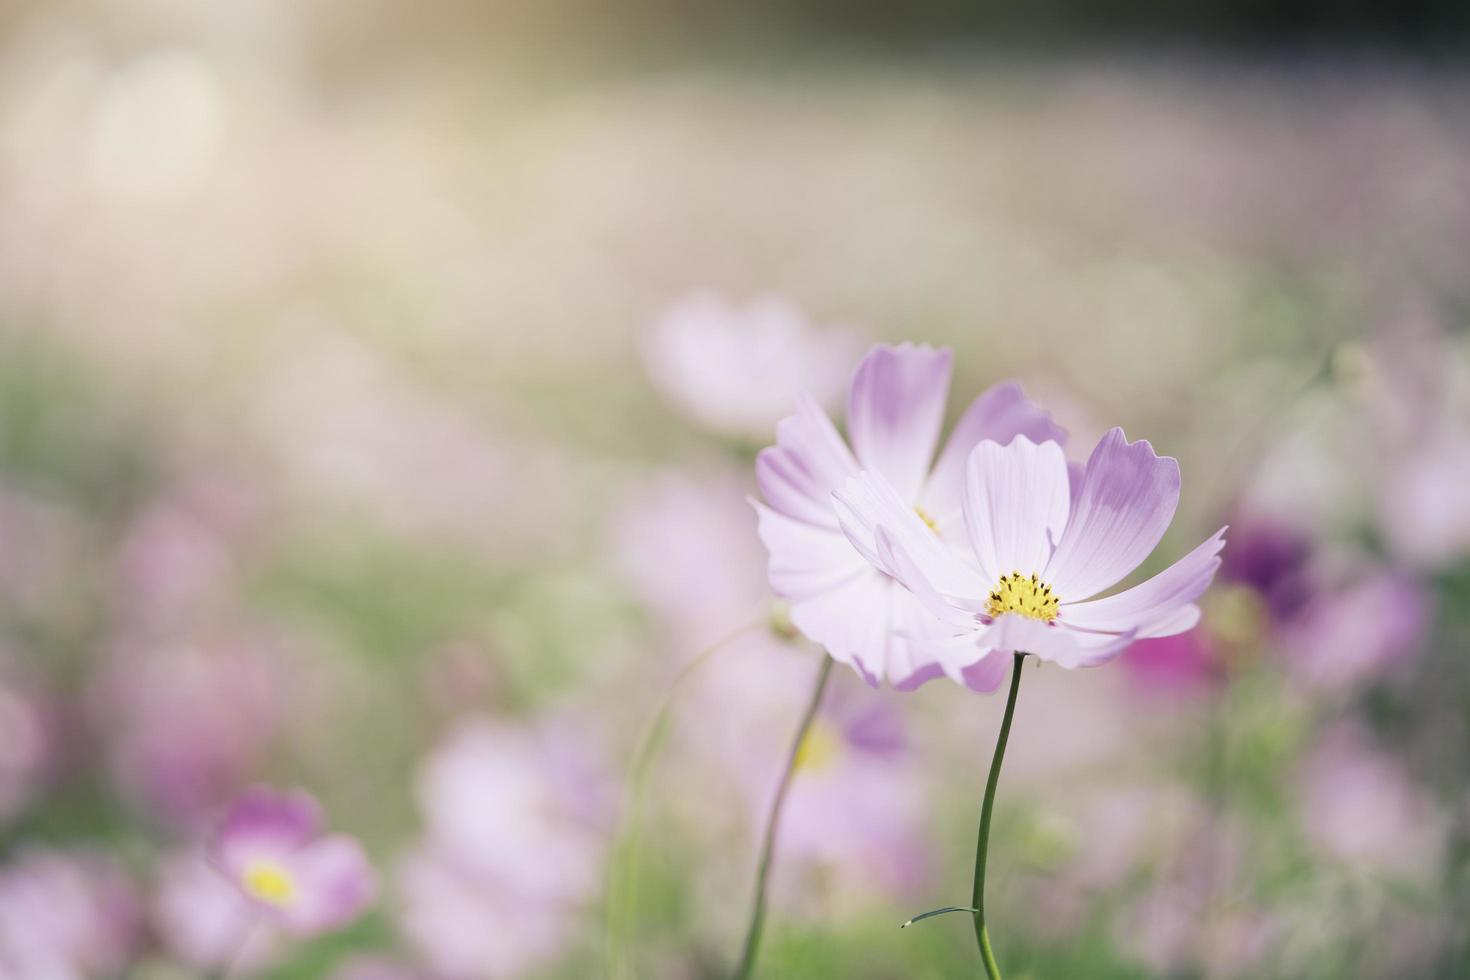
x: 768, y: 845
x: 982, y: 844
x: 622, y: 906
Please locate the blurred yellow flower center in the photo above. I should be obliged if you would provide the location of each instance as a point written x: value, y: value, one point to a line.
x: 924, y: 516
x: 1023, y: 595
x: 269, y: 882
x: 819, y: 749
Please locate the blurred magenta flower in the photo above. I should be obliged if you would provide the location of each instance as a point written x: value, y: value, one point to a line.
x: 1183, y: 662
x: 1042, y: 544
x: 516, y: 820
x: 895, y: 412
x: 737, y: 370
x: 65, y: 915
x: 270, y: 846
x: 1272, y: 559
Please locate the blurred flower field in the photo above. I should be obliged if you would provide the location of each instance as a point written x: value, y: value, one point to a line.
x: 387, y: 437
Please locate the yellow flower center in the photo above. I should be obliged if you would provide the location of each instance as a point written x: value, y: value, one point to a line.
x: 821, y: 748
x: 924, y: 516
x: 269, y: 882
x: 1024, y: 596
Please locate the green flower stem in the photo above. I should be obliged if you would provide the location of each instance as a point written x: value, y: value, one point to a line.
x: 982, y: 937
x: 768, y: 846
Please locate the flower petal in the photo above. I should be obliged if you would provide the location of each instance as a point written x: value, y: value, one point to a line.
x: 809, y: 461
x: 895, y: 410
x: 334, y: 883
x: 1161, y: 606
x: 1126, y: 501
x: 1066, y: 647
x: 985, y: 675
x: 849, y: 621
x: 1001, y: 413
x: 1016, y: 500
x: 868, y: 502
x: 960, y: 616
x: 265, y: 823
x: 806, y: 559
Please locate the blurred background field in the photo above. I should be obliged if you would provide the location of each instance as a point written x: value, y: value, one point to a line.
x: 379, y: 387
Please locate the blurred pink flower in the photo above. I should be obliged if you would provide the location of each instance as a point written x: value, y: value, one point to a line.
x: 857, y: 811
x: 516, y: 822
x: 28, y: 741
x: 737, y: 371
x: 685, y: 544
x: 469, y: 927
x: 1359, y: 631
x: 185, y: 727
x: 1062, y: 541
x: 1189, y: 919
x: 1359, y: 805
x: 270, y: 846
x: 65, y: 916
x: 208, y: 923
x: 1424, y: 503
x: 854, y: 828
x: 895, y: 411
x: 175, y: 563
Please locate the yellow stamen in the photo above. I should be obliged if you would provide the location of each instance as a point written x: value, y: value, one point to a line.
x: 269, y: 882
x: 819, y: 749
x: 924, y: 516
x: 1024, y: 595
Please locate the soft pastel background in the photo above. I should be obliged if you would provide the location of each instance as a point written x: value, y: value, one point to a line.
x: 379, y: 386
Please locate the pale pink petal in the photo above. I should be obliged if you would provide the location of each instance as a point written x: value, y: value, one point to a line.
x: 334, y: 883
x: 873, y: 624
x: 806, y: 559
x: 987, y: 674
x: 1161, y: 606
x: 913, y: 633
x: 849, y: 621
x: 1049, y: 641
x: 1016, y: 500
x: 809, y: 461
x: 868, y: 502
x: 1001, y: 413
x: 1127, y: 499
x: 959, y: 615
x: 895, y: 410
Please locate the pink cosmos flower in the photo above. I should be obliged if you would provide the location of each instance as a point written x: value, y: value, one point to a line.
x: 65, y: 915
x: 895, y: 410
x: 270, y: 846
x: 735, y: 370
x: 206, y: 922
x: 514, y: 848
x: 1041, y: 543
